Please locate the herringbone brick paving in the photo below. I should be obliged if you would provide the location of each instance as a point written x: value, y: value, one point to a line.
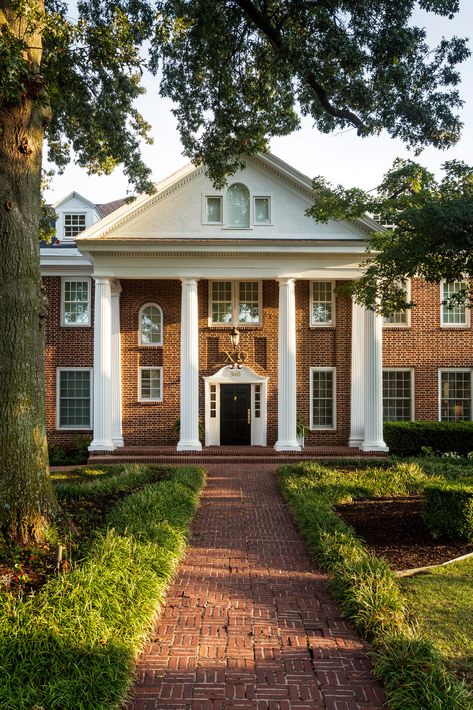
x: 249, y: 623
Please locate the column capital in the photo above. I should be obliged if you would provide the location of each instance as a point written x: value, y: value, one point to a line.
x: 116, y: 287
x: 189, y: 280
x: 286, y: 280
x: 102, y: 280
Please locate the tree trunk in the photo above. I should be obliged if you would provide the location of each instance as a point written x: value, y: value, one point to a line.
x: 27, y: 501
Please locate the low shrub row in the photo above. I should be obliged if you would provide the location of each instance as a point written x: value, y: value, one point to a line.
x: 412, y: 671
x: 73, y: 644
x: 411, y: 438
x: 448, y: 510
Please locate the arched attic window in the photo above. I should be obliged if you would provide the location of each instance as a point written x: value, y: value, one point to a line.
x: 238, y: 206
x: 150, y: 324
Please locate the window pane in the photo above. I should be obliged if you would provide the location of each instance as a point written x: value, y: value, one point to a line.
x: 74, y: 398
x: 151, y: 325
x: 455, y: 396
x: 262, y: 214
x: 238, y: 206
x: 453, y: 315
x: 214, y: 209
x: 397, y: 397
x: 76, y: 303
x: 322, y: 302
x: 221, y: 302
x: 73, y: 224
x: 248, y: 307
x: 322, y: 399
x: 151, y: 383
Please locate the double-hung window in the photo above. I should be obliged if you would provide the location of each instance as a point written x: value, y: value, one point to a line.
x: 400, y: 318
x: 322, y: 303
x: 150, y: 384
x: 454, y: 395
x: 453, y: 315
x: 235, y: 303
x: 397, y: 395
x: 75, y: 302
x: 74, y: 223
x: 74, y: 398
x: 323, y: 397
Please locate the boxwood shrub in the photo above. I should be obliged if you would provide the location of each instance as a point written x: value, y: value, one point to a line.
x: 408, y: 438
x: 448, y: 510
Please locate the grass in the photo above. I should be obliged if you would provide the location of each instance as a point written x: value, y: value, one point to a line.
x: 413, y: 671
x: 428, y: 596
x: 74, y: 643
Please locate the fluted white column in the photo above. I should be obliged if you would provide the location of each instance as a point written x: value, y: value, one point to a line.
x: 117, y: 434
x: 357, y: 403
x: 373, y: 437
x: 102, y: 440
x: 189, y: 433
x: 287, y: 401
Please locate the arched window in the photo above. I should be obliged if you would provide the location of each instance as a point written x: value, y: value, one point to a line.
x: 151, y: 324
x: 238, y: 206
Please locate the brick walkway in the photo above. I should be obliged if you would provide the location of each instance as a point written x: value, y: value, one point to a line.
x: 248, y: 621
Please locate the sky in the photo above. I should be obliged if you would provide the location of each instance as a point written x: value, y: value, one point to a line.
x: 340, y: 157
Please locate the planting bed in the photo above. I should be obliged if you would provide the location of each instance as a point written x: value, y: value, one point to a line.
x: 393, y: 529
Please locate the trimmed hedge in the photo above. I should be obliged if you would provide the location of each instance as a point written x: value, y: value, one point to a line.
x: 409, y: 438
x: 448, y: 510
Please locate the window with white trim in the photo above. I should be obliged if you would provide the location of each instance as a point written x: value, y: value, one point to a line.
x: 151, y: 324
x: 75, y: 302
x: 400, y: 318
x: 74, y: 223
x: 262, y: 210
x: 322, y: 303
x: 74, y: 398
x: 237, y: 213
x: 150, y: 384
x: 455, y: 395
x: 453, y: 315
x: 235, y: 302
x: 213, y: 209
x: 322, y: 397
x: 397, y: 395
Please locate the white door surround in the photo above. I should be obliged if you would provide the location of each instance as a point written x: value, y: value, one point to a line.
x: 236, y: 376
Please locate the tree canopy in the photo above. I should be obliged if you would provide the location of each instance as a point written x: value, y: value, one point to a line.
x: 430, y: 232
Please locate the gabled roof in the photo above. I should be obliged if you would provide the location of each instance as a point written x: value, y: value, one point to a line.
x: 71, y: 196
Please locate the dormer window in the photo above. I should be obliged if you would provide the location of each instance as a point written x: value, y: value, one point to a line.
x: 74, y: 223
x: 238, y: 206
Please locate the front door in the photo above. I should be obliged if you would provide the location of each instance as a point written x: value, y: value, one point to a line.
x: 235, y: 415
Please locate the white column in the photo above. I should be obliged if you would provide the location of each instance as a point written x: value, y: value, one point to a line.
x: 117, y: 434
x: 189, y: 434
x: 102, y: 440
x: 287, y: 403
x: 373, y: 437
x: 357, y: 403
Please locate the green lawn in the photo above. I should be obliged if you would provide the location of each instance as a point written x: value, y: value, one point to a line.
x: 442, y: 601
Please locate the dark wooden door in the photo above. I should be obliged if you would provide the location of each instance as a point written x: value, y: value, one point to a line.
x: 235, y: 408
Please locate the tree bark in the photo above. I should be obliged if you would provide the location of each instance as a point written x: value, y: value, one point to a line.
x: 27, y: 501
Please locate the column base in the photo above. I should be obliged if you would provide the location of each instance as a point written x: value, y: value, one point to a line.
x: 374, y: 446
x: 101, y: 445
x: 355, y: 443
x: 118, y: 443
x: 189, y: 446
x: 287, y: 445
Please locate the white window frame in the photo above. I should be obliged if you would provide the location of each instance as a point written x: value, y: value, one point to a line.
x: 325, y: 324
x: 407, y: 324
x: 313, y: 427
x: 405, y: 369
x: 253, y: 206
x: 74, y: 279
x: 235, y: 304
x: 149, y: 367
x: 204, y: 209
x: 60, y: 427
x: 462, y: 326
x: 140, y: 313
x: 72, y: 213
x: 439, y: 391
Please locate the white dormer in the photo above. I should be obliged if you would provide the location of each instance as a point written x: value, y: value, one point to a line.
x: 74, y: 214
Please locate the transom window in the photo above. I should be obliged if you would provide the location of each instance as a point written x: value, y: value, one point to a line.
x: 455, y: 395
x: 75, y: 302
x: 74, y: 387
x: 397, y: 395
x: 151, y: 324
x: 322, y: 395
x: 238, y: 206
x: 151, y: 384
x: 322, y: 308
x: 453, y: 315
x: 74, y: 223
x: 400, y: 318
x: 235, y: 302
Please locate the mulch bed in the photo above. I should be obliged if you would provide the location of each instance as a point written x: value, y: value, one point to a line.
x: 393, y: 528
